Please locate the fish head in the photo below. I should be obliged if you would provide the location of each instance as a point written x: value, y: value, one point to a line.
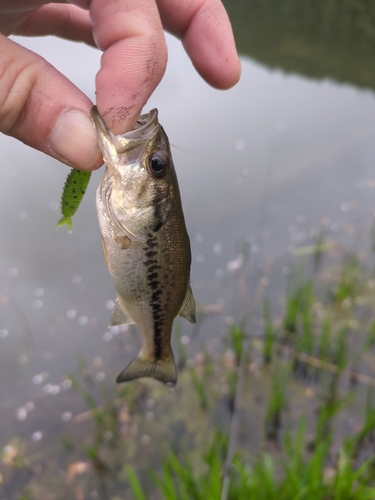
x: 140, y: 176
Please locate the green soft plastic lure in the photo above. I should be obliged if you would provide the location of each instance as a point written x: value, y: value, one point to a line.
x: 74, y: 189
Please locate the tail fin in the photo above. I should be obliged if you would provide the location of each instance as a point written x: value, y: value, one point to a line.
x: 161, y: 369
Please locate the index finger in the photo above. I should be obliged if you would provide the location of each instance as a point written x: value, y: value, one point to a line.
x: 135, y: 55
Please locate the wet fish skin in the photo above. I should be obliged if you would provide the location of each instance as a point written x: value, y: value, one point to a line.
x: 145, y: 241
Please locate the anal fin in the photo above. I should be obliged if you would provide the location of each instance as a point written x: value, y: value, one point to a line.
x: 188, y: 306
x: 119, y: 316
x: 163, y: 370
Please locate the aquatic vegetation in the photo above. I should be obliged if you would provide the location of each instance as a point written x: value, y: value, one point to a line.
x: 281, y: 408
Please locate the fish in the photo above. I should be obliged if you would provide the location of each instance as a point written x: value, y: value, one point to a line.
x: 145, y: 241
x: 74, y: 189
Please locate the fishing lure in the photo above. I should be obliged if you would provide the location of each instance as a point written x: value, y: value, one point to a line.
x: 74, y: 189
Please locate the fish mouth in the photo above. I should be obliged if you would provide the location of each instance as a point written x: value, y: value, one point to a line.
x: 146, y: 127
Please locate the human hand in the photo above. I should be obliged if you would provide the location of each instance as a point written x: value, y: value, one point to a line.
x: 43, y: 109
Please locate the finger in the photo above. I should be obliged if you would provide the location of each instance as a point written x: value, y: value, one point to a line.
x: 131, y: 36
x: 65, y: 21
x: 206, y: 33
x: 39, y: 106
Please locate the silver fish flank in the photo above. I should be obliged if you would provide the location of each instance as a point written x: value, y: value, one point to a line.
x: 146, y: 245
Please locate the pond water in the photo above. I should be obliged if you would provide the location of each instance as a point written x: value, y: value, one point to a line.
x: 269, y: 163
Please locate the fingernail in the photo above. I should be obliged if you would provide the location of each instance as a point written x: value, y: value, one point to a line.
x: 73, y: 140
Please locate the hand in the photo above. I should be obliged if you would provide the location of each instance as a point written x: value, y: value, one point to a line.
x: 43, y: 109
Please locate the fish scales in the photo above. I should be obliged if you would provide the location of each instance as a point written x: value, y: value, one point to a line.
x: 145, y: 241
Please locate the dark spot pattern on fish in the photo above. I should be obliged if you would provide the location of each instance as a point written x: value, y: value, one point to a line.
x: 154, y: 284
x: 155, y: 303
x: 153, y: 267
x: 149, y: 262
x: 152, y: 243
x: 151, y: 253
x: 152, y: 276
x: 157, y: 226
x: 158, y: 345
x: 156, y: 294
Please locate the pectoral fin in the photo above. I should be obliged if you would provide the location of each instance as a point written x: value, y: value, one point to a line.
x: 188, y: 306
x: 119, y: 316
x: 163, y: 370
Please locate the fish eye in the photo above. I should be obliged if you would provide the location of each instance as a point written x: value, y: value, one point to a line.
x: 158, y: 165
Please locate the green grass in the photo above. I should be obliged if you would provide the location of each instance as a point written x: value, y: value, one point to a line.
x: 300, y: 428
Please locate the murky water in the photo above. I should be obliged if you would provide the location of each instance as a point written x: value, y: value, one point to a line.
x: 267, y: 163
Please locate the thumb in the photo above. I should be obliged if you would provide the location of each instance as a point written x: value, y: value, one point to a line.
x: 43, y: 109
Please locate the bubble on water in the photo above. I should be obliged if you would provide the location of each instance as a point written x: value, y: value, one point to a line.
x: 21, y: 414
x: 199, y: 258
x: 66, y: 416
x: 37, y: 304
x: 55, y: 390
x: 13, y: 271
x: 38, y: 379
x: 235, y: 264
x: 110, y: 304
x: 255, y: 248
x: 219, y: 273
x: 77, y: 280
x: 185, y: 340
x: 199, y: 238
x: 83, y: 320
x: 217, y: 248
x: 47, y: 388
x: 71, y: 314
x: 54, y: 205
x: 240, y: 144
x: 100, y: 376
x: 345, y: 206
x: 115, y: 330
x: 39, y: 292
x: 4, y: 333
x: 51, y: 389
x: 37, y: 436
x: 107, y: 336
x: 67, y: 383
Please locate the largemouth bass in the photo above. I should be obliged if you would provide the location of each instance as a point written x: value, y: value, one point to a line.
x: 146, y: 245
